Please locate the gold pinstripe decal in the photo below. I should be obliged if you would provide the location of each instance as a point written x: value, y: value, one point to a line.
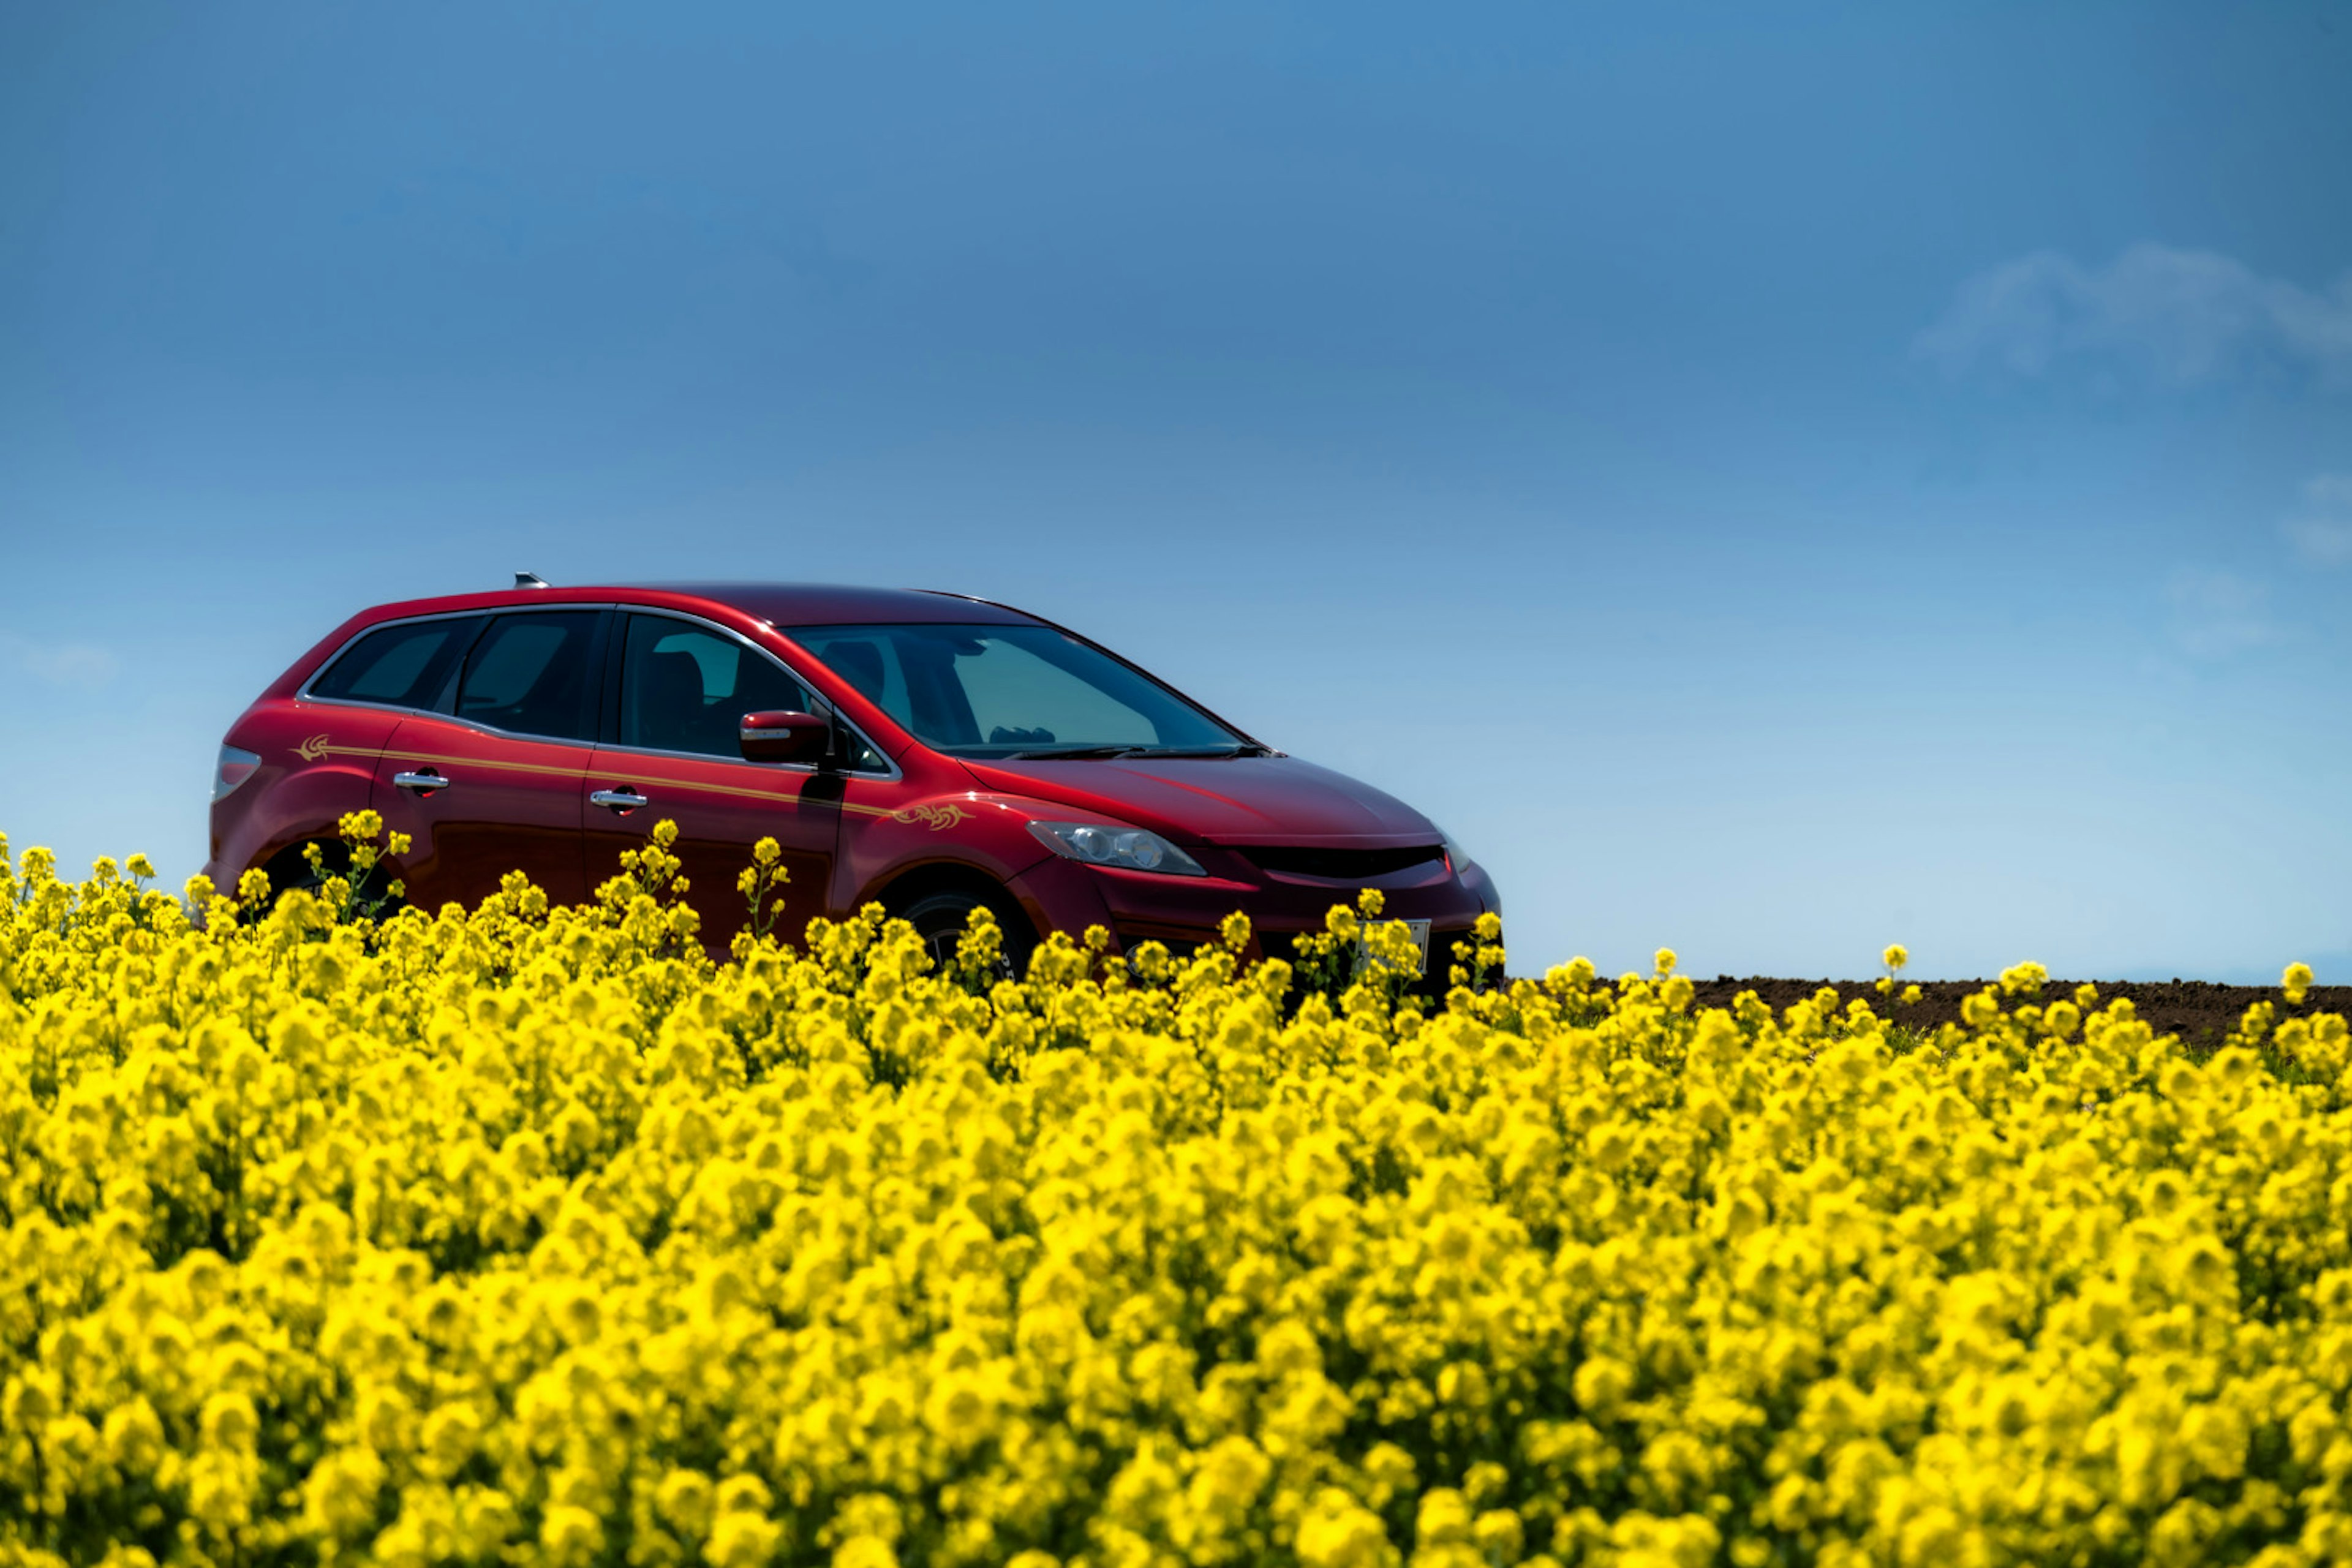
x: 504, y: 767
x: 311, y: 750
x: 937, y: 817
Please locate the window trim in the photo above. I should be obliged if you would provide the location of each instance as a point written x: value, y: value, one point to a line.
x: 305, y: 694
x: 607, y: 704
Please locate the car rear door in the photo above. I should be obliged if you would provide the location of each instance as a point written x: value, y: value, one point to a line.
x: 320, y: 753
x: 671, y: 752
x: 496, y: 782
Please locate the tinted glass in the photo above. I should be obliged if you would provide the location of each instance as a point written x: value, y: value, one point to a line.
x: 994, y: 691
x: 405, y: 665
x: 529, y: 674
x: 685, y: 690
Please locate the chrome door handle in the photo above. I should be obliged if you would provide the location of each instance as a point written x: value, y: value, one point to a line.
x: 618, y: 799
x: 421, y: 782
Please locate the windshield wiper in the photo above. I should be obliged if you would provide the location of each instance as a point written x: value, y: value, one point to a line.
x: 1080, y: 754
x: 1107, y: 754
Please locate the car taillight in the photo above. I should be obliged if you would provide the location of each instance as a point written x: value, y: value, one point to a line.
x: 236, y: 766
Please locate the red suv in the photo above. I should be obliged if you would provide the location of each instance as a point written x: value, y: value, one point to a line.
x: 925, y: 749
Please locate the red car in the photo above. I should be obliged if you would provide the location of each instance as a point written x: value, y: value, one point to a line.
x: 925, y: 749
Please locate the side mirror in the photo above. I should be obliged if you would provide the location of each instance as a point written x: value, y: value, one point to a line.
x: 778, y: 736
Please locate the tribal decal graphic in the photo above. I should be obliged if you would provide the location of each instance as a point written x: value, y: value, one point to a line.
x: 934, y: 817
x: 317, y: 746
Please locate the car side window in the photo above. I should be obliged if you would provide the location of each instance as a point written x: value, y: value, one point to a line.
x: 683, y: 688
x: 529, y: 674
x: 871, y: 666
x: 405, y: 665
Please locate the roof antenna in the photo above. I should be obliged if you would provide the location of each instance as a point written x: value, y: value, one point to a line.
x: 530, y: 580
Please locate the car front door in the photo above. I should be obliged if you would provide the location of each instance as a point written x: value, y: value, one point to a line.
x: 672, y: 753
x: 496, y: 782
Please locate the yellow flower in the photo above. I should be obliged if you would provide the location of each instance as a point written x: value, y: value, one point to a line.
x: 744, y: 1540
x: 1337, y: 1533
x: 569, y: 1535
x: 530, y: 1233
x: 230, y: 1421
x: 685, y: 1499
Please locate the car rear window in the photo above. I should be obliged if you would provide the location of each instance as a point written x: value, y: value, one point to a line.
x: 529, y: 674
x: 402, y: 665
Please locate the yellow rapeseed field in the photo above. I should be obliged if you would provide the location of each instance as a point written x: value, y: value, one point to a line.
x: 531, y: 1235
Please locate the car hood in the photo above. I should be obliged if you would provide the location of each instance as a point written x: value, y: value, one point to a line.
x: 1219, y: 800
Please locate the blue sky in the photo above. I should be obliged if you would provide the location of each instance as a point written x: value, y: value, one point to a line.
x: 1772, y: 481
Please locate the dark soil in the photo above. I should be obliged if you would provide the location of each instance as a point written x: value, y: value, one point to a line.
x: 2200, y: 1013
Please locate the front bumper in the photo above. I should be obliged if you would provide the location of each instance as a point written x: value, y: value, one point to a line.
x: 1186, y: 911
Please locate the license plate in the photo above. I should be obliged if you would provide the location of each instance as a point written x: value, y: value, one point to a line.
x: 1417, y: 930
x: 1420, y: 930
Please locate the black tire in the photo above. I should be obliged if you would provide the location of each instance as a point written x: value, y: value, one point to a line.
x: 939, y: 920
x: 290, y: 871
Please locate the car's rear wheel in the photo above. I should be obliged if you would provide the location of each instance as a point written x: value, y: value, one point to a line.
x: 291, y: 871
x: 940, y: 919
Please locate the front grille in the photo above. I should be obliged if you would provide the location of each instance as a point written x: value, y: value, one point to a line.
x: 1434, y: 980
x: 1339, y: 865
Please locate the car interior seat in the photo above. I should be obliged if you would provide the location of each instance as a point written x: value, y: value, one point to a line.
x: 671, y: 713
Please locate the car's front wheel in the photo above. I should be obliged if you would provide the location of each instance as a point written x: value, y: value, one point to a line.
x: 941, y: 919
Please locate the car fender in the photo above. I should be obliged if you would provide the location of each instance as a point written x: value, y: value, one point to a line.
x: 299, y: 808
x: 976, y: 830
x: 318, y: 763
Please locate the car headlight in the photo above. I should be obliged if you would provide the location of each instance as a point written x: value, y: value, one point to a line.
x: 1456, y: 858
x: 1129, y: 848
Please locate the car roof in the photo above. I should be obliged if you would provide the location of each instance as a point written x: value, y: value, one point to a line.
x: 781, y: 605
x: 834, y: 605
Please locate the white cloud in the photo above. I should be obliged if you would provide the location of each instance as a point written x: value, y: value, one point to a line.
x: 2321, y: 528
x: 2176, y: 317
x: 2217, y: 613
x: 70, y: 666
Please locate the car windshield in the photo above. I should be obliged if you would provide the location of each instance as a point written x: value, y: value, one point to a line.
x: 1015, y: 691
